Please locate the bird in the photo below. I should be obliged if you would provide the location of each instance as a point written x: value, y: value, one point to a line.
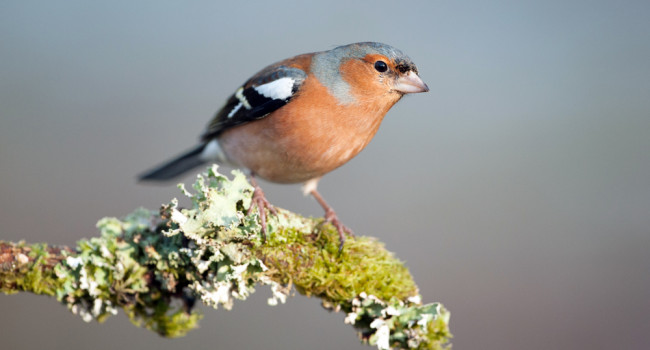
x: 298, y: 119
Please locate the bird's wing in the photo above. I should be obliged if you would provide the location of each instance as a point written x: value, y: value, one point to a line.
x: 264, y: 93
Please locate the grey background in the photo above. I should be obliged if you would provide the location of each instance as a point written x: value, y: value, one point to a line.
x: 517, y: 190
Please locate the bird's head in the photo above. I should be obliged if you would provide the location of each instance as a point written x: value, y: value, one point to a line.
x: 364, y: 70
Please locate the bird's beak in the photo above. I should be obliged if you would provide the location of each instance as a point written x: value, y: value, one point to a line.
x: 410, y: 83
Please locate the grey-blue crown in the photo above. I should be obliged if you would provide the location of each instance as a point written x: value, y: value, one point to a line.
x: 360, y: 50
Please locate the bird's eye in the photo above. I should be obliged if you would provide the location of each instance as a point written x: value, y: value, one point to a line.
x: 381, y: 66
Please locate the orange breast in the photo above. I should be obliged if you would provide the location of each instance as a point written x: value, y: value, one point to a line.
x: 310, y: 136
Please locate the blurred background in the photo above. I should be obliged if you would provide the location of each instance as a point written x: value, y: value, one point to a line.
x: 517, y: 190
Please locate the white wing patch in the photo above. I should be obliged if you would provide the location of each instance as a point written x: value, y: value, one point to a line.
x: 280, y: 89
x: 240, y: 96
x: 234, y: 110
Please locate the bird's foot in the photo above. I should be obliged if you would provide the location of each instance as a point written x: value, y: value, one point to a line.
x: 331, y: 217
x: 260, y: 201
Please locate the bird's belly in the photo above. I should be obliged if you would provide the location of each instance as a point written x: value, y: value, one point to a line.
x: 292, y: 155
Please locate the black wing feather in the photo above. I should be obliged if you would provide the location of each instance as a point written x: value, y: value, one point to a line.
x: 234, y: 112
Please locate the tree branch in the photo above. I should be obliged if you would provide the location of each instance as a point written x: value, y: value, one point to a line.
x: 156, y: 265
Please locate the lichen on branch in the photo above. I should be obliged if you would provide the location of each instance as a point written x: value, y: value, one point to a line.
x: 156, y: 265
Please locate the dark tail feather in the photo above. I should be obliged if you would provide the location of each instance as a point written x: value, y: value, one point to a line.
x: 176, y: 167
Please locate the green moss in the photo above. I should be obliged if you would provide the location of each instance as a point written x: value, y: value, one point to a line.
x: 29, y: 269
x: 164, y: 320
x: 155, y: 266
x: 437, y: 332
x: 314, y: 266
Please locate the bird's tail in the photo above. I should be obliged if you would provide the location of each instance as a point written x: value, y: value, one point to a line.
x: 179, y: 165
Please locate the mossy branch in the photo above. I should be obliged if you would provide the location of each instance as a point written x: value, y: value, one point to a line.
x: 156, y: 265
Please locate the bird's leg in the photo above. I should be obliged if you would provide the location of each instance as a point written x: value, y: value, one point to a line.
x: 260, y: 201
x: 330, y: 216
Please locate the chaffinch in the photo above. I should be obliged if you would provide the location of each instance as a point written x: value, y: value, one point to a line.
x: 300, y: 118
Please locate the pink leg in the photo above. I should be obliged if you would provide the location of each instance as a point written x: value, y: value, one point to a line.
x: 260, y: 201
x: 330, y: 216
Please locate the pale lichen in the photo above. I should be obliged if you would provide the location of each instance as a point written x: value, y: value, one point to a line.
x: 156, y: 265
